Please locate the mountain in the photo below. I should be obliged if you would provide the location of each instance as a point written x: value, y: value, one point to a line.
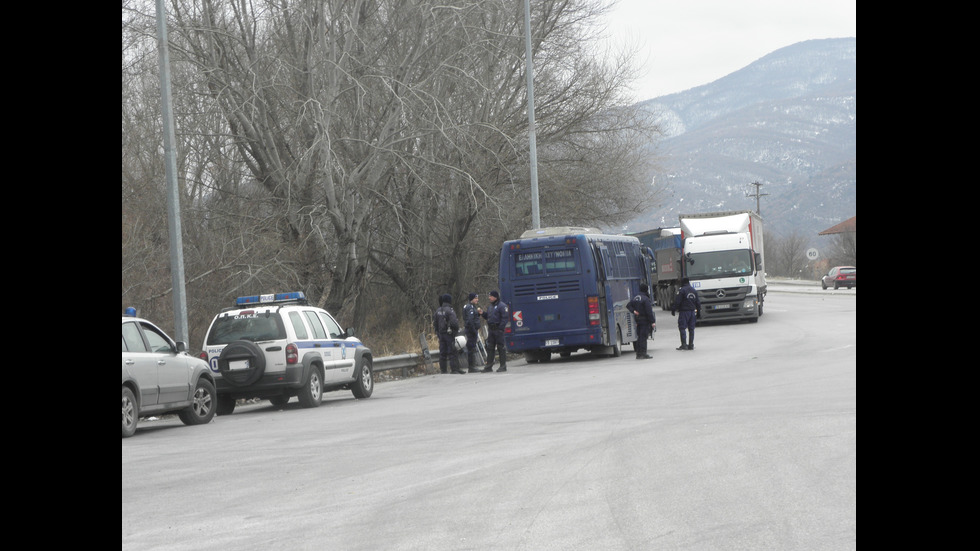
x: 787, y: 121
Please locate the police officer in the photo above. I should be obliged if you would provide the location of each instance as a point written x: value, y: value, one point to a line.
x: 689, y: 305
x: 496, y: 315
x: 646, y: 319
x: 447, y: 325
x: 471, y: 324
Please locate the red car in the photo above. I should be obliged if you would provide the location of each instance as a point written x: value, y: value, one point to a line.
x: 840, y: 276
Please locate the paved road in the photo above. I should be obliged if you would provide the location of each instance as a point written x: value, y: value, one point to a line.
x: 747, y: 442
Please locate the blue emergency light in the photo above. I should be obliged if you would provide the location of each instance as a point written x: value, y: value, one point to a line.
x: 131, y: 312
x: 293, y: 296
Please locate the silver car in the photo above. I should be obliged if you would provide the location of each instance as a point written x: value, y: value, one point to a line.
x: 159, y: 376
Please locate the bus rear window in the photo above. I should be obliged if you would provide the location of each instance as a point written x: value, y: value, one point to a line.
x: 545, y: 262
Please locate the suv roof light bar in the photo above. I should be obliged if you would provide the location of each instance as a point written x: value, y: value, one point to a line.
x: 277, y: 298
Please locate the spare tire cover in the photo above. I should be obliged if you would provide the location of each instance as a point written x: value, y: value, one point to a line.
x: 238, y: 351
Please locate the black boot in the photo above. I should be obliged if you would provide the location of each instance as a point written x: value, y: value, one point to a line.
x: 442, y: 365
x: 457, y: 369
x: 471, y: 360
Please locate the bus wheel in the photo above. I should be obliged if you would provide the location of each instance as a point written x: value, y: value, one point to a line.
x: 530, y: 358
x: 617, y: 348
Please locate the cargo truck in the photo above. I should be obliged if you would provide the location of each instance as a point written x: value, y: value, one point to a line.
x: 721, y: 253
x: 723, y: 258
x: 666, y: 269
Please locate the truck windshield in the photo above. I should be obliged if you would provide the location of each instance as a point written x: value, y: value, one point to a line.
x: 720, y: 264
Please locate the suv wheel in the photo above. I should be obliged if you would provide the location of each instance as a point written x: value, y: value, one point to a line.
x: 130, y: 413
x: 226, y: 405
x: 311, y: 394
x: 202, y: 410
x: 364, y: 385
x: 279, y: 401
x: 241, y: 351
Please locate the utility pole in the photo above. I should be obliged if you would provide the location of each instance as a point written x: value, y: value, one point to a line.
x: 757, y: 195
x: 173, y: 197
x: 535, y: 212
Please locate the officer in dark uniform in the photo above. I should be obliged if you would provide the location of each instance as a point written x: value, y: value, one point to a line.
x: 471, y: 325
x: 646, y: 319
x: 689, y: 305
x: 447, y: 325
x: 496, y: 315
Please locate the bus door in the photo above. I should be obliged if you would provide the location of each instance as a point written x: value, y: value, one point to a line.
x: 603, y: 268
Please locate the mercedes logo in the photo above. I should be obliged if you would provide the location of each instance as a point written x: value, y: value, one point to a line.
x: 720, y: 293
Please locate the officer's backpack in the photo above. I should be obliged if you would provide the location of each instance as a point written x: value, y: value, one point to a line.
x: 442, y: 321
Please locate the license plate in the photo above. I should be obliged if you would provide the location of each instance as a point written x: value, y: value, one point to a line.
x: 722, y: 306
x: 551, y: 342
x: 242, y: 364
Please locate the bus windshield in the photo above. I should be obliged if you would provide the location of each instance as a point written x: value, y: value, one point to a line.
x: 719, y: 264
x: 548, y: 261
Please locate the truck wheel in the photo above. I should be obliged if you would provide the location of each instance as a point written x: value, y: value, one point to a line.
x: 530, y: 357
x: 311, y: 394
x: 130, y: 413
x: 202, y: 410
x: 364, y: 385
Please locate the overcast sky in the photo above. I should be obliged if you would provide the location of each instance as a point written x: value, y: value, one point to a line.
x: 687, y: 43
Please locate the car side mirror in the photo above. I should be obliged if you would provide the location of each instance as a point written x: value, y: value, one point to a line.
x: 181, y: 346
x: 349, y: 332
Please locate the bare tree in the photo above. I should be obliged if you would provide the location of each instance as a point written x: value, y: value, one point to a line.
x: 844, y: 251
x: 786, y: 255
x: 348, y: 145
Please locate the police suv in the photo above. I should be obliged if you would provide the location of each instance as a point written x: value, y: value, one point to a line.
x: 276, y: 346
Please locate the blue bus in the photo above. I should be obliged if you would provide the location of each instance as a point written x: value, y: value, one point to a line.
x: 567, y: 288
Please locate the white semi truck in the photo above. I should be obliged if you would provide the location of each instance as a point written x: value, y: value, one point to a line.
x: 723, y: 259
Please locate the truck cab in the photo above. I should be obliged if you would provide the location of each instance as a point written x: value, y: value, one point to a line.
x: 723, y: 259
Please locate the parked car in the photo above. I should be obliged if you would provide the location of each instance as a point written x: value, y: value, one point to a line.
x: 840, y: 276
x: 159, y: 376
x: 277, y: 346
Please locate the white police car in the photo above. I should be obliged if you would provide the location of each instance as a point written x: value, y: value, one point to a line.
x: 277, y: 346
x: 159, y: 376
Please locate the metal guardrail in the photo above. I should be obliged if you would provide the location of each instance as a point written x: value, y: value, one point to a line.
x: 405, y: 362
